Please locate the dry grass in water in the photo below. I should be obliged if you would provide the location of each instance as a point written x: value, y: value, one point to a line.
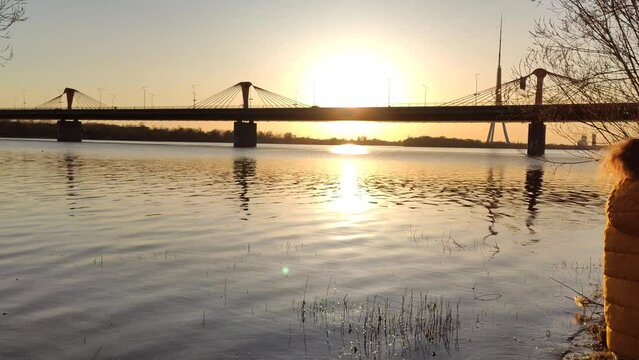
x: 378, y: 329
x: 592, y: 335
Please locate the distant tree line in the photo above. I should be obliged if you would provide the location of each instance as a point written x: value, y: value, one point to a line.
x: 100, y: 131
x: 454, y: 142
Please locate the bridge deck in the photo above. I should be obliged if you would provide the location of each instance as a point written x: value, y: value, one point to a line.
x: 507, y: 113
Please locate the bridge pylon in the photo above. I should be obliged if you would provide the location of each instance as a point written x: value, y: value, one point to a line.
x: 537, y: 128
x: 550, y: 89
x: 245, y: 132
x: 70, y: 130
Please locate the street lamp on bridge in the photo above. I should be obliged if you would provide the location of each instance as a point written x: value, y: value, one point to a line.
x: 425, y: 93
x: 314, y: 93
x: 100, y: 92
x: 194, y: 94
x: 144, y: 90
x: 476, y: 82
x: 389, y: 90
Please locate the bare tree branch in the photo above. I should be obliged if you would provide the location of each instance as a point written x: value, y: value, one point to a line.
x: 596, y: 41
x: 11, y: 12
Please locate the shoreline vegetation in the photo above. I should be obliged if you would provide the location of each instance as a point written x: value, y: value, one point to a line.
x: 141, y: 132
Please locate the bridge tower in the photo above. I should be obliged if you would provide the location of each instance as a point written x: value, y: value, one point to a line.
x: 69, y: 130
x: 537, y: 128
x: 245, y: 132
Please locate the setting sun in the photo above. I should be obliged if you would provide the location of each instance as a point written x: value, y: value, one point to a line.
x: 355, y: 78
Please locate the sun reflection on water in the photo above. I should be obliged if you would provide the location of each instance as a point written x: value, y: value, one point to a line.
x: 349, y: 149
x: 350, y: 199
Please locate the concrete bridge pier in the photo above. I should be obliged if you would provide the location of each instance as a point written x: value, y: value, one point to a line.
x: 537, y: 129
x: 244, y: 134
x: 70, y: 131
x: 536, y: 138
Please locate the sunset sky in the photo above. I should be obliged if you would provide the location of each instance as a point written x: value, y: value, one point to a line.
x: 332, y: 53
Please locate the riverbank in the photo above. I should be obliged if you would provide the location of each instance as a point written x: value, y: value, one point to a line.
x: 101, y: 131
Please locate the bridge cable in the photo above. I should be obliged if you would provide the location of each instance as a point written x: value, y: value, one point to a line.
x: 231, y: 97
x: 220, y: 99
x: 51, y: 104
x: 273, y: 101
x: 279, y: 100
x: 259, y: 94
x: 216, y: 99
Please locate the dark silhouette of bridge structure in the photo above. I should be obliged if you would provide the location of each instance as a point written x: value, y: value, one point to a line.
x: 538, y: 98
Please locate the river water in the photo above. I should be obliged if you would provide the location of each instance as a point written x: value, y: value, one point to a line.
x: 176, y: 251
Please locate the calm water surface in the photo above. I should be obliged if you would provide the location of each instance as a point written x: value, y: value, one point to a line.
x: 174, y: 251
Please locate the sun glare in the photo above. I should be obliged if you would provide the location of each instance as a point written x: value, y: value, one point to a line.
x: 350, y: 200
x: 354, y: 78
x: 349, y: 149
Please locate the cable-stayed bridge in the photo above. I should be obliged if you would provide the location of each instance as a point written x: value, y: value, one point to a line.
x: 537, y: 98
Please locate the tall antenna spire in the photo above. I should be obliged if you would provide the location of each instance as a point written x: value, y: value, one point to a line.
x: 498, y: 87
x: 498, y: 100
x: 501, y: 24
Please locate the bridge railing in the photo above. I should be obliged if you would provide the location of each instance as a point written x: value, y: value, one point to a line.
x: 178, y: 107
x: 402, y: 104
